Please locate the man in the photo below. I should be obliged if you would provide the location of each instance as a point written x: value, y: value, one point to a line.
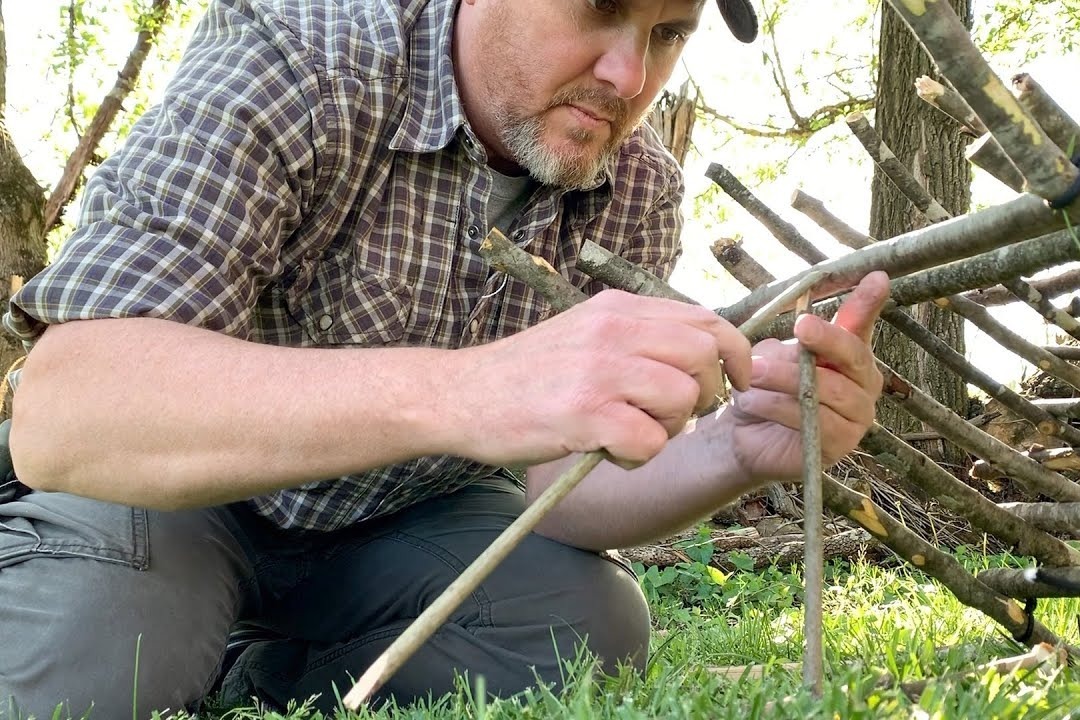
x: 276, y: 283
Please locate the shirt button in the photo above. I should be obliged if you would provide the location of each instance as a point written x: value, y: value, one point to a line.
x: 326, y: 322
x: 474, y: 326
x: 519, y: 234
x: 473, y: 231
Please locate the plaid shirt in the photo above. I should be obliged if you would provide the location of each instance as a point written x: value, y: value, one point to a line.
x: 310, y: 180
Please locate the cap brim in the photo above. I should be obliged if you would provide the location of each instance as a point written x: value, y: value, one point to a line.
x: 740, y: 18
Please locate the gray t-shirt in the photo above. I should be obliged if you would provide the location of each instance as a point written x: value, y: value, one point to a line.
x: 509, y: 193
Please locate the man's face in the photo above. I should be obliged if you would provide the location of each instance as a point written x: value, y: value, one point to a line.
x: 554, y: 87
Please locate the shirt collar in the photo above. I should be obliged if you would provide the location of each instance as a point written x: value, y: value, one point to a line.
x: 433, y: 112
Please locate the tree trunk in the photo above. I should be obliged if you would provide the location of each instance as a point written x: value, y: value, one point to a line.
x: 22, y: 223
x: 933, y: 148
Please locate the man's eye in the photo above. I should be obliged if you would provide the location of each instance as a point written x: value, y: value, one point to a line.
x: 604, y: 6
x: 671, y: 36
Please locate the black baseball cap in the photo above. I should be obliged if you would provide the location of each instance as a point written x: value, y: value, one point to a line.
x: 740, y: 18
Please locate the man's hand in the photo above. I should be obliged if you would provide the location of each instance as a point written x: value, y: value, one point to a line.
x: 619, y: 372
x: 766, y: 437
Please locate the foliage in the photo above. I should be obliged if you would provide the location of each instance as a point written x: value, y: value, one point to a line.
x: 1029, y: 27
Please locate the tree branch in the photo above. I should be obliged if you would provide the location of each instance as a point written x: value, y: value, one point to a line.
x: 103, y: 119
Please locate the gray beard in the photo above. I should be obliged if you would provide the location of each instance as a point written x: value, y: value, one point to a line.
x: 522, y: 138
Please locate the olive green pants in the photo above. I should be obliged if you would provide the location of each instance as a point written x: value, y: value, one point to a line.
x: 89, y: 591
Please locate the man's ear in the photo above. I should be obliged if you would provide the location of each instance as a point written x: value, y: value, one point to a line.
x: 740, y: 18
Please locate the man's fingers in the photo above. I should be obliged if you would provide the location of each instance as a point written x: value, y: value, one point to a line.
x: 731, y: 347
x: 859, y: 310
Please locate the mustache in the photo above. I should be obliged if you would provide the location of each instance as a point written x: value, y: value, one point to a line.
x: 605, y: 102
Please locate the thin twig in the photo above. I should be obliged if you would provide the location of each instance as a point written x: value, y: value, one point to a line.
x: 813, y: 560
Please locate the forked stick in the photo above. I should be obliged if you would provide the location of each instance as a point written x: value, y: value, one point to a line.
x: 439, y: 611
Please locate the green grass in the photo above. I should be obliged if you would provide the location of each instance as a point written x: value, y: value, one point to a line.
x: 879, y: 623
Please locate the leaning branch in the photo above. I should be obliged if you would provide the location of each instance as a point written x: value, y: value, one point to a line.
x: 784, y: 231
x: 985, y: 152
x: 1057, y: 123
x: 1059, y: 284
x: 893, y: 169
x: 1020, y: 219
x: 942, y: 567
x: 815, y: 209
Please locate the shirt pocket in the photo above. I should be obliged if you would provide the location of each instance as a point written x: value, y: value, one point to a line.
x: 61, y: 525
x: 343, y: 306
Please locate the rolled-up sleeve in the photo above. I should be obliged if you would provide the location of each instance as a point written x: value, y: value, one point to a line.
x: 186, y: 220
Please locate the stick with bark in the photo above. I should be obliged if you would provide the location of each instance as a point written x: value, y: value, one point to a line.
x: 954, y: 278
x: 893, y: 169
x: 1033, y: 582
x: 813, y: 559
x: 1059, y: 126
x: 1041, y: 656
x: 733, y: 257
x: 815, y: 209
x: 939, y: 565
x: 432, y: 618
x: 781, y: 229
x: 1047, y: 171
x: 979, y: 232
x: 1051, y: 517
x: 1059, y: 284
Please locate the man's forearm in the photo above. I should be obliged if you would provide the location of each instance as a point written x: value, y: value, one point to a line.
x: 155, y: 413
x: 611, y: 508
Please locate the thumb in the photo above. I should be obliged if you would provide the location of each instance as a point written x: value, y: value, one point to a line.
x: 860, y: 309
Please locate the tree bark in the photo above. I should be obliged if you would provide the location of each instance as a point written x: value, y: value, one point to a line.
x: 22, y: 212
x: 929, y: 144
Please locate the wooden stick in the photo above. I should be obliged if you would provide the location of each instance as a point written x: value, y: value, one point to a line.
x: 979, y: 232
x: 1032, y: 582
x: 1067, y: 281
x: 740, y: 264
x: 813, y: 559
x: 949, y: 102
x: 986, y: 153
x: 781, y: 229
x: 1042, y: 655
x: 1057, y: 123
x: 815, y: 209
x: 433, y: 617
x: 893, y: 169
x: 939, y: 565
x: 437, y: 613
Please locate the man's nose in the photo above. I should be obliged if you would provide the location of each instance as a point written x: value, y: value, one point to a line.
x: 623, y: 65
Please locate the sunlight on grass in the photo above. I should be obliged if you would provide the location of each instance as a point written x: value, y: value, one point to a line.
x: 882, y: 626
